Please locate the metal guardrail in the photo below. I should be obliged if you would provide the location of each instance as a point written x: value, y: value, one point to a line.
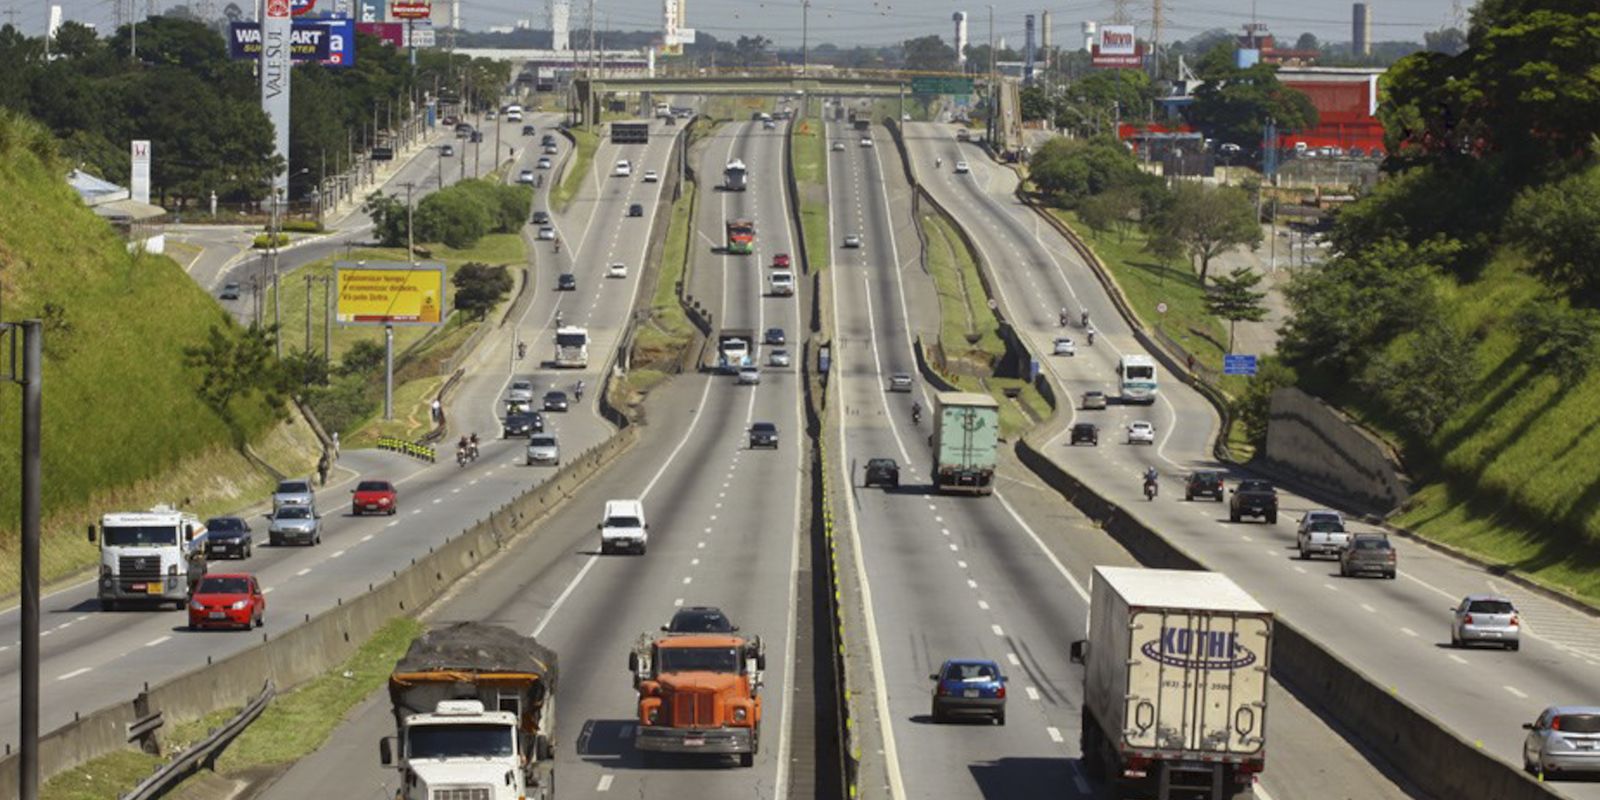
x: 204, y: 751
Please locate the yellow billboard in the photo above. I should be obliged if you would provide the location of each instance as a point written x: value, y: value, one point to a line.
x: 403, y: 294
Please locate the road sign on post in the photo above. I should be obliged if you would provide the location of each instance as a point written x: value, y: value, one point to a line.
x: 938, y: 85
x: 1238, y: 364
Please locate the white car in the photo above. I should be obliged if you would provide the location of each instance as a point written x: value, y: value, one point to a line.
x: 838, y: 147
x: 1141, y: 432
x: 781, y: 283
x: 778, y: 358
x: 543, y: 448
x: 520, y: 392
x: 650, y: 176
x: 749, y: 376
x: 544, y: 162
x: 1065, y: 346
x: 624, y: 169
x: 962, y: 168
x: 547, y: 234
x: 852, y: 240
x: 618, y: 270
x: 866, y: 142
x: 525, y: 177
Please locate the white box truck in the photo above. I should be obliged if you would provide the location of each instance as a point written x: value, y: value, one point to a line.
x: 1175, y: 683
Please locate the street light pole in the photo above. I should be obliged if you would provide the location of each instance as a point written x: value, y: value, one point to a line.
x: 32, y: 407
x: 805, y: 35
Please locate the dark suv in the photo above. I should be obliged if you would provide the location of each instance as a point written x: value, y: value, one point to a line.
x: 763, y: 434
x: 541, y: 217
x: 1254, y: 499
x: 1203, y: 483
x: 1086, y: 432
x: 882, y: 472
x: 523, y: 423
x: 227, y: 537
x: 700, y: 619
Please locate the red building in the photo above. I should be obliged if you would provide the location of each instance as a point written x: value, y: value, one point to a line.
x: 1346, y: 99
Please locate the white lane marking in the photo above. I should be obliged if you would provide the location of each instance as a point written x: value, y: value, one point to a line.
x: 337, y: 554
x: 302, y: 572
x: 268, y: 590
x: 1408, y: 632
x: 688, y: 579
x: 1077, y: 587
x: 953, y: 547
x: 1518, y: 693
x: 1012, y: 657
x: 998, y: 631
x: 1330, y: 587
x: 983, y: 605
x: 694, y: 562
x: 1055, y: 735
x: 157, y: 641
x: 43, y: 634
x: 81, y: 670
x: 972, y: 584
x: 677, y: 603
x: 1033, y: 694
x: 961, y: 564
x: 1369, y: 609
x: 604, y: 785
x: 1243, y: 536
x: 456, y: 490
x: 368, y: 537
x: 1299, y: 569
x: 418, y: 510
x: 435, y: 501
x: 390, y: 525
x: 1456, y: 658
x: 945, y: 531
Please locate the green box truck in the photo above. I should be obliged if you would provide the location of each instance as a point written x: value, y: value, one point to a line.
x: 966, y: 435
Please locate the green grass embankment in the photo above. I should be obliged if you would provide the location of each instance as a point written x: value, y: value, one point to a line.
x: 809, y: 152
x: 576, y: 172
x: 659, y: 342
x: 123, y: 425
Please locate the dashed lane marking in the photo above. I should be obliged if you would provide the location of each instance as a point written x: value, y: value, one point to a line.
x: 158, y: 641
x: 1518, y: 693
x: 1033, y: 694
x: 1055, y: 735
x: 81, y: 670
x: 604, y: 785
x: 305, y: 571
x: 1012, y: 657
x: 998, y: 631
x: 1408, y: 632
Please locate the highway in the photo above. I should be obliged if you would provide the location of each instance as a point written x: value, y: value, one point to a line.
x: 1395, y: 631
x: 725, y: 530
x: 91, y: 659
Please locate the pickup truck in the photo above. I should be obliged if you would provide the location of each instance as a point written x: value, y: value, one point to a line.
x: 1253, y: 498
x: 1322, y: 532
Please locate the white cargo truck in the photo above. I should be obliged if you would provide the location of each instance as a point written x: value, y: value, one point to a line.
x: 1175, y: 683
x: 149, y: 557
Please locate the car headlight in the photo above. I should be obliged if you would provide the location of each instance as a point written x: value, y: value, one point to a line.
x: 383, y: 501
x: 740, y: 714
x: 197, y: 605
x: 238, y: 605
x: 654, y: 716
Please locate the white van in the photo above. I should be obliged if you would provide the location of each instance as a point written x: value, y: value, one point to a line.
x: 623, y: 527
x: 781, y: 283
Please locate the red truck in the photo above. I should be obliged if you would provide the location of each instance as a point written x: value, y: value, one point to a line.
x: 373, y: 496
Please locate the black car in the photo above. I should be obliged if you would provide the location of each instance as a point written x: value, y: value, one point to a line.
x: 523, y: 423
x: 700, y: 619
x: 527, y: 130
x: 549, y: 138
x: 763, y: 434
x: 555, y: 401
x: 1205, y: 482
x: 541, y: 217
x: 462, y: 129
x: 775, y: 336
x: 636, y: 210
x: 230, y: 291
x: 1254, y: 499
x: 567, y: 282
x: 1086, y: 432
x: 227, y: 537
x: 882, y: 472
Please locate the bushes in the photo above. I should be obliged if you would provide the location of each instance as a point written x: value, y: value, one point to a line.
x: 264, y: 240
x: 479, y: 288
x: 458, y: 215
x: 301, y: 226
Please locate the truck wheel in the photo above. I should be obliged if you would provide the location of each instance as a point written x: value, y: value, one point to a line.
x: 108, y: 605
x: 1000, y: 718
x: 747, y: 759
x: 604, y: 550
x: 1272, y: 519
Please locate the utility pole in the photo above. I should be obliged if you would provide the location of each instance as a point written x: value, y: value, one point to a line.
x: 805, y: 35
x: 277, y: 295
x: 308, y: 314
x: 32, y: 406
x: 411, y: 249
x: 327, y: 321
x: 1156, y: 24
x: 994, y: 85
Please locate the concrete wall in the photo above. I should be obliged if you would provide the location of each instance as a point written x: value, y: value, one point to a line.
x: 322, y: 642
x: 1415, y: 744
x: 1310, y: 442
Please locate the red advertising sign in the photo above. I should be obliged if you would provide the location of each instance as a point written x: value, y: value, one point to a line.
x: 277, y: 8
x: 301, y: 7
x: 411, y: 9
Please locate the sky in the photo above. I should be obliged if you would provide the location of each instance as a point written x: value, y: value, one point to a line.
x: 853, y: 22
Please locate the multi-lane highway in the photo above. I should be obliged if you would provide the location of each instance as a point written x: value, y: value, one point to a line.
x: 91, y: 658
x: 1396, y: 631
x: 725, y: 530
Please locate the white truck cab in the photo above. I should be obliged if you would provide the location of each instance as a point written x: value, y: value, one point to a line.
x: 623, y: 527
x: 461, y: 750
x: 149, y: 556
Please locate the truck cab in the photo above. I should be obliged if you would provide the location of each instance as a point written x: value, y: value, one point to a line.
x: 154, y: 556
x: 458, y: 747
x: 699, y: 693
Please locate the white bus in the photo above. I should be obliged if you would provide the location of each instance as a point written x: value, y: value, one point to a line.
x: 572, y: 347
x: 1136, y: 375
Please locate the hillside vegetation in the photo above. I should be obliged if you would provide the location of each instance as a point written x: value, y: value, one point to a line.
x: 122, y: 414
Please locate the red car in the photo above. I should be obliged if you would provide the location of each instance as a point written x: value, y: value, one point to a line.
x: 376, y: 496
x: 780, y: 261
x: 227, y: 601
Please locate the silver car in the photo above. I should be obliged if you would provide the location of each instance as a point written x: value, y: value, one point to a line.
x: 1562, y: 741
x: 520, y: 392
x: 293, y: 493
x: 778, y: 358
x: 900, y: 382
x: 544, y: 449
x: 1485, y: 618
x: 298, y: 524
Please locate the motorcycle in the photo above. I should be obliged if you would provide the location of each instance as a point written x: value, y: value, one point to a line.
x: 461, y: 456
x: 577, y: 391
x: 522, y: 350
x: 1063, y: 318
x: 1091, y: 337
x: 916, y: 415
x: 1085, y: 319
x: 1149, y: 490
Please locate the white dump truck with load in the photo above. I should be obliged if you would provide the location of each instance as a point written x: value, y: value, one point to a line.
x: 474, y: 713
x: 149, y: 557
x: 1175, y: 684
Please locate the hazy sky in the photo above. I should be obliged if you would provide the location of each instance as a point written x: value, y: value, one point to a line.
x: 849, y: 22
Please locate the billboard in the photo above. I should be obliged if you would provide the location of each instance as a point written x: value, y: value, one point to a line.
x: 396, y: 294
x: 308, y: 41
x: 395, y: 32
x: 1117, y: 46
x: 139, y: 178
x: 371, y: 10
x: 411, y: 9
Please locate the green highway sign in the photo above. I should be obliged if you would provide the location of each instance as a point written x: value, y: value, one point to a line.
x: 941, y: 86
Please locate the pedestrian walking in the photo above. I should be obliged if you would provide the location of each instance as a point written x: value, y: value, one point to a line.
x: 1191, y: 362
x: 438, y: 411
x: 322, y: 469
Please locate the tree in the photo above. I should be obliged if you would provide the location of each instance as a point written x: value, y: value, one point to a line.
x: 74, y: 40
x: 1307, y: 41
x: 1233, y: 297
x: 1234, y: 105
x: 1209, y: 221
x: 365, y: 357
x: 1558, y: 227
x: 1253, y: 407
x: 1422, y: 377
x: 1068, y: 170
x: 751, y: 51
x: 1115, y: 208
x: 479, y: 288
x: 928, y: 54
x: 1036, y: 104
x: 1562, y: 339
x: 233, y: 364
x: 388, y: 215
x: 1449, y: 41
x: 458, y: 219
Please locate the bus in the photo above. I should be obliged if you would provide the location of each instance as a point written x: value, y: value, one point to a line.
x: 741, y: 237
x: 1136, y: 375
x: 572, y: 347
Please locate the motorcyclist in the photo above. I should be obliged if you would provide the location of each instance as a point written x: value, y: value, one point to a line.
x: 557, y: 243
x: 461, y: 456
x: 938, y: 162
x: 472, y: 446
x: 577, y: 391
x: 1063, y: 316
x: 916, y: 413
x: 1084, y: 320
x: 522, y: 350
x: 1091, y: 336
x: 1150, y: 476
x: 558, y: 318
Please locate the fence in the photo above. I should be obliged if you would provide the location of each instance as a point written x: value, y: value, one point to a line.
x: 416, y: 450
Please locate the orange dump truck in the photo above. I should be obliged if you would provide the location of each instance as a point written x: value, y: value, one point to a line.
x: 699, y: 693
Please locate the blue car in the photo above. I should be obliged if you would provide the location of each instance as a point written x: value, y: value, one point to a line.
x: 969, y: 687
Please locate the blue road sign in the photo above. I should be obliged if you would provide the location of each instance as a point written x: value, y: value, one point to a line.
x: 1238, y: 365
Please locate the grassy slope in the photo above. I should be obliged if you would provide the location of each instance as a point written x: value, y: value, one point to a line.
x: 578, y: 171
x: 1519, y: 456
x: 120, y: 411
x: 809, y: 152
